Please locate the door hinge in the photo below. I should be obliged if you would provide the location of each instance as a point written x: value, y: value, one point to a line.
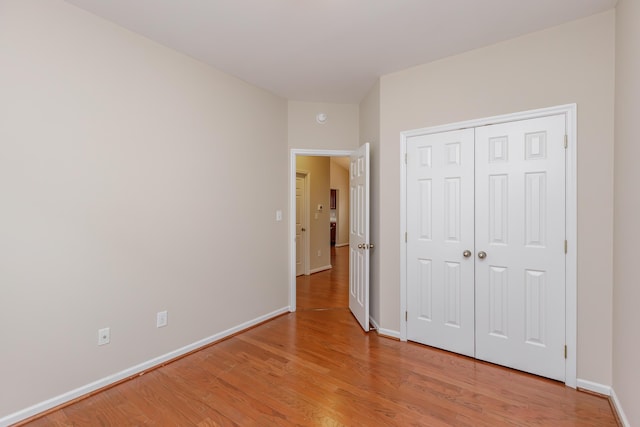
x: 565, y: 351
x: 566, y: 141
x: 566, y: 246
x: 405, y: 158
x: 406, y: 316
x: 405, y: 237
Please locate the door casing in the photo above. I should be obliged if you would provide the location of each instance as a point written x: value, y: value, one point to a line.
x: 571, y: 214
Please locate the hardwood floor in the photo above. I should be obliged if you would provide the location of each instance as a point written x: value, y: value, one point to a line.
x: 316, y: 367
x: 328, y: 289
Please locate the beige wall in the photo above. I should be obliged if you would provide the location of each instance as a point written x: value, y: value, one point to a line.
x: 340, y: 132
x: 340, y: 182
x: 120, y: 198
x: 626, y: 292
x: 318, y: 178
x: 566, y: 64
x: 369, y: 125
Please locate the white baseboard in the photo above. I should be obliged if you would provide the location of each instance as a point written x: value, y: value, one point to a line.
x: 319, y: 269
x: 594, y: 387
x: 618, y: 408
x: 374, y: 323
x: 389, y: 333
x: 339, y: 245
x: 134, y: 370
x: 381, y: 331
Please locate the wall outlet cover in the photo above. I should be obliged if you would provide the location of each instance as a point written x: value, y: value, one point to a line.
x: 162, y: 319
x: 104, y: 336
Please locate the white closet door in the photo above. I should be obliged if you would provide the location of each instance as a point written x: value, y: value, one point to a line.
x: 440, y: 281
x: 520, y: 226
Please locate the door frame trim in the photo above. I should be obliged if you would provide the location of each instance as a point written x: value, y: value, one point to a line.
x: 293, y: 153
x: 571, y: 216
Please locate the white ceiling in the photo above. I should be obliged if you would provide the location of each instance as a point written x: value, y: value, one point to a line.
x: 332, y: 50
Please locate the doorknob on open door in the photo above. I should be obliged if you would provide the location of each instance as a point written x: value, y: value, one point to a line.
x: 482, y: 254
x: 303, y: 229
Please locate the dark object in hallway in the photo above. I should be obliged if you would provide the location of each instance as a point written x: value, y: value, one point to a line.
x: 333, y: 233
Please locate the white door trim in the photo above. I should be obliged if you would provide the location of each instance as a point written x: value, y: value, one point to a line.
x: 571, y: 312
x: 293, y: 153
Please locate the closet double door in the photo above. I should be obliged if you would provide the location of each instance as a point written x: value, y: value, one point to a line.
x: 486, y: 243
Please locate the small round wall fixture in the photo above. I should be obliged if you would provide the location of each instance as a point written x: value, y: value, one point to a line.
x: 321, y: 118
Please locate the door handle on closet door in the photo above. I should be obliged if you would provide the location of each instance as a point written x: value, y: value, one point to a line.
x: 466, y: 253
x: 482, y: 254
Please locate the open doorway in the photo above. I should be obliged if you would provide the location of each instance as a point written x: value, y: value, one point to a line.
x: 322, y: 211
x: 359, y: 243
x: 310, y: 224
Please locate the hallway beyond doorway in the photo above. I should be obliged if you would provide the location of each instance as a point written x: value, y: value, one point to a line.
x: 327, y: 289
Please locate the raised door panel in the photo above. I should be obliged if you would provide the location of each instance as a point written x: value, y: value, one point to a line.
x: 498, y: 302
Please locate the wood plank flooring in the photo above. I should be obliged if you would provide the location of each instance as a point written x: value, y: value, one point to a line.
x: 317, y: 367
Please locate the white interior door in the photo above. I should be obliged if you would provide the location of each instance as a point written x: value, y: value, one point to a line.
x: 300, y: 224
x: 440, y: 264
x: 359, y: 244
x: 520, y: 226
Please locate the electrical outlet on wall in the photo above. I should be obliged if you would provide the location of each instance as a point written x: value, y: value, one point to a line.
x: 162, y: 318
x: 104, y: 336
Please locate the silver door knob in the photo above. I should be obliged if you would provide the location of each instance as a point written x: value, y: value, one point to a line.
x: 466, y: 253
x: 360, y: 246
x: 371, y: 246
x: 482, y: 254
